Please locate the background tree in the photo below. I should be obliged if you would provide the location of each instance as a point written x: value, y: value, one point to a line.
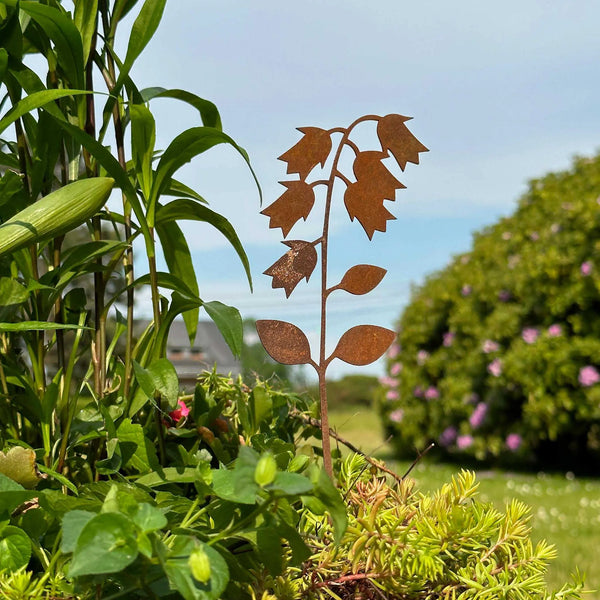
x: 498, y: 354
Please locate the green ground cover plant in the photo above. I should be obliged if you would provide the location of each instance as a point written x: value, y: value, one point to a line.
x: 564, y: 508
x: 498, y: 355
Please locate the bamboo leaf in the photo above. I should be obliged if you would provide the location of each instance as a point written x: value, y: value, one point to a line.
x: 190, y: 210
x: 143, y: 137
x: 62, y: 31
x: 33, y: 101
x: 84, y: 18
x: 181, y: 150
x: 208, y: 111
x: 38, y: 326
x: 143, y: 29
x: 179, y: 261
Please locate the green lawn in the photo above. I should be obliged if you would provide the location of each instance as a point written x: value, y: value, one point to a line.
x: 565, y: 509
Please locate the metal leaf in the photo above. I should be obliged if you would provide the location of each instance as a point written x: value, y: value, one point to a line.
x: 284, y: 342
x: 361, y: 279
x: 363, y: 344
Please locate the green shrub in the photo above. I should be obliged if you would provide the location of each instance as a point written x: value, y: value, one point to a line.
x: 404, y: 545
x: 498, y: 354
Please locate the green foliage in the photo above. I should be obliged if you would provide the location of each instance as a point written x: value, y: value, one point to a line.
x: 402, y: 544
x: 225, y: 508
x: 498, y: 354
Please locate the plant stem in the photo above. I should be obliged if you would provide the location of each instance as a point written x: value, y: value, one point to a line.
x: 110, y: 78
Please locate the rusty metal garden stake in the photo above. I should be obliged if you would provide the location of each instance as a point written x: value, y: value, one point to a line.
x: 363, y: 199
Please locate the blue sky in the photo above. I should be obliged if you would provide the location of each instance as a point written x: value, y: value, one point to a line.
x: 499, y: 92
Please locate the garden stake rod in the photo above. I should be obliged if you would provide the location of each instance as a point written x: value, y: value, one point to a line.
x: 364, y: 201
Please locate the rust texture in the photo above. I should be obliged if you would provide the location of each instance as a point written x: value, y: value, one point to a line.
x: 370, y: 186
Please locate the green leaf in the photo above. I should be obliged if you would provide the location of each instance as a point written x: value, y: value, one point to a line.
x: 291, y: 484
x: 229, y: 322
x: 114, y: 169
x: 15, y: 549
x: 12, y: 495
x: 261, y: 406
x: 179, y: 261
x: 149, y: 518
x: 143, y: 137
x: 137, y: 451
x: 327, y: 493
x: 181, y: 150
x: 106, y: 544
x: 180, y: 576
x: 73, y: 523
x: 62, y: 31
x: 143, y: 29
x: 36, y: 100
x: 38, y: 326
x: 12, y: 292
x: 189, y: 210
x: 269, y: 548
x: 166, y: 475
x: 208, y: 111
x: 84, y: 18
x: 160, y: 376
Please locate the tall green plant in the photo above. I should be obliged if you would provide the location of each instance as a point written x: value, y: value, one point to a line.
x: 63, y: 149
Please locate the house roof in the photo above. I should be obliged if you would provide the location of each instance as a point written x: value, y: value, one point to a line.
x: 209, y: 344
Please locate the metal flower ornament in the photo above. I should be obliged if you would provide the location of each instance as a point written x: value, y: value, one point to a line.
x: 363, y: 198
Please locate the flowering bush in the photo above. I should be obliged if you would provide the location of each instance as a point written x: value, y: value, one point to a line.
x: 498, y: 354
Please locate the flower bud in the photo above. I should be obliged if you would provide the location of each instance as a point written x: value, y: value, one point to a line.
x: 265, y: 471
x: 199, y: 564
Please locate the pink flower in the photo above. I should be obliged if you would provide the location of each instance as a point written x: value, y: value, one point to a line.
x: 397, y: 415
x: 478, y: 415
x: 466, y: 290
x: 490, y: 346
x: 506, y: 235
x: 588, y: 376
x: 431, y: 393
x: 530, y: 334
x: 555, y: 330
x: 418, y: 392
x: 495, y: 367
x: 534, y: 236
x: 465, y: 259
x: 396, y: 369
x: 504, y: 295
x: 448, y: 338
x: 388, y: 381
x: 464, y: 441
x: 392, y: 395
x: 586, y: 268
x: 448, y: 436
x: 394, y: 350
x: 180, y: 412
x: 422, y: 356
x: 513, y: 441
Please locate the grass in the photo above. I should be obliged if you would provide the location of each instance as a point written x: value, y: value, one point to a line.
x: 565, y: 510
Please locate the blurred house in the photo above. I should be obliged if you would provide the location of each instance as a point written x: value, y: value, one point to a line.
x: 209, y: 348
